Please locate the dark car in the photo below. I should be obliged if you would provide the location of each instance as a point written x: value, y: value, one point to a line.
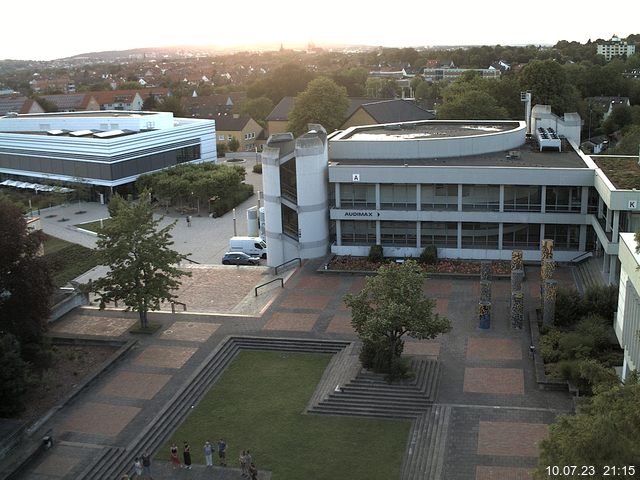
x: 239, y: 258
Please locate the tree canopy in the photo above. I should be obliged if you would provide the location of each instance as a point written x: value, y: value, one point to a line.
x: 25, y: 282
x: 603, y: 432
x: 322, y: 102
x: 285, y: 81
x: 391, y: 305
x: 257, y: 108
x: 143, y: 269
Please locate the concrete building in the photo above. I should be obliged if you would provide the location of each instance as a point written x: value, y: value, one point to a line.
x: 474, y: 189
x: 105, y: 149
x: 627, y: 321
x: 615, y: 48
x: 446, y: 73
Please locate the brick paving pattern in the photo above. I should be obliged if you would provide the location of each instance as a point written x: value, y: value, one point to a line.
x: 510, y: 438
x: 503, y: 473
x: 165, y: 357
x: 135, y: 385
x: 494, y: 349
x: 297, y: 322
x: 494, y: 380
x: 189, y: 331
x: 494, y: 425
x: 100, y: 419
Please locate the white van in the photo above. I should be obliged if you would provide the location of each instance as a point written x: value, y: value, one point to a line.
x: 249, y: 245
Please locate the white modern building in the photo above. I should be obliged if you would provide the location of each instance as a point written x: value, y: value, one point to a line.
x: 474, y: 189
x: 615, y: 48
x: 102, y: 148
x: 627, y: 322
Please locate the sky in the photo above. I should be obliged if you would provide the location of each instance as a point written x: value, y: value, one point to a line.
x: 45, y: 30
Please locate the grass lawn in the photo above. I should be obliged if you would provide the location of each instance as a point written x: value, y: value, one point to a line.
x: 257, y: 404
x: 93, y: 226
x: 67, y: 260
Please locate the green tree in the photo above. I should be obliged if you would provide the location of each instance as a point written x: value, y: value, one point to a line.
x: 172, y: 104
x: 473, y: 104
x: 150, y: 103
x: 143, y: 269
x: 322, y: 102
x: 25, y: 284
x: 285, y: 81
x: 14, y: 376
x: 257, y: 108
x: 548, y: 83
x: 233, y: 144
x: 603, y: 432
x: 353, y: 79
x: 392, y: 304
x: 629, y: 143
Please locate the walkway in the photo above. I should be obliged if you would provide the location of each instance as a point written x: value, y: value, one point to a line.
x: 497, y: 414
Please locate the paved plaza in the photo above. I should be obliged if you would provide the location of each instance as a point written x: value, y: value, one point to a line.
x: 498, y: 413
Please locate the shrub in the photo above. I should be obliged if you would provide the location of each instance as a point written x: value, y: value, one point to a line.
x: 576, y: 345
x: 235, y: 197
x: 596, y: 327
x: 429, y: 255
x: 376, y: 253
x: 549, y: 346
x: 588, y: 375
x: 257, y: 168
x: 14, y: 376
x: 602, y: 300
x: 569, y: 307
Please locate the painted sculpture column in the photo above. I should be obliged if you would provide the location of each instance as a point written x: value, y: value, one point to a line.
x: 485, y: 291
x: 549, y: 302
x: 517, y: 309
x: 484, y: 315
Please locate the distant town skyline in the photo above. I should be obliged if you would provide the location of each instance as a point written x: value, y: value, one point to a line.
x: 46, y: 31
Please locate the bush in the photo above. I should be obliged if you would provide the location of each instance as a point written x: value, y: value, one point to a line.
x: 549, y: 346
x: 576, y: 345
x: 381, y: 358
x: 597, y: 328
x: 236, y: 197
x: 257, y: 168
x: 602, y: 300
x: 221, y: 148
x: 14, y: 376
x: 429, y: 255
x: 569, y: 307
x: 376, y: 254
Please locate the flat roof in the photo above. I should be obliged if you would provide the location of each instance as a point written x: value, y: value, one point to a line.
x: 428, y: 129
x: 526, y: 155
x: 624, y: 172
x: 92, y: 113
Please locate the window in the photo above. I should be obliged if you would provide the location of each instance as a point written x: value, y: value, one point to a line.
x: 522, y: 236
x: 188, y: 154
x: 398, y: 196
x: 439, y: 197
x: 563, y: 199
x: 522, y: 198
x: 481, y: 197
x: 358, y: 195
x: 221, y: 138
x: 400, y: 234
x: 440, y: 234
x: 480, y: 235
x: 358, y: 232
x: 565, y: 237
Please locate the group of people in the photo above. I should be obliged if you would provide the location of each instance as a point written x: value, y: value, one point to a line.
x: 142, y: 464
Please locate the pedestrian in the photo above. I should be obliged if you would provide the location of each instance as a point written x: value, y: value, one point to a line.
x: 249, y: 459
x: 532, y: 351
x: 188, y: 220
x: 208, y: 453
x: 137, y: 466
x: 244, y: 471
x: 146, y: 464
x: 222, y: 452
x: 253, y: 472
x: 186, y: 453
x: 175, y: 459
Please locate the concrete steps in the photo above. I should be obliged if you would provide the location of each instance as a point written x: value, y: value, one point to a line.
x: 116, y: 461
x: 368, y: 394
x: 588, y: 274
x: 425, y: 454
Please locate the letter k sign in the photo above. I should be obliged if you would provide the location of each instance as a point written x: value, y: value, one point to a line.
x: 633, y: 204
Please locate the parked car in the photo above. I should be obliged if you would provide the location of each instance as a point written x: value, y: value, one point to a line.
x: 239, y: 258
x: 250, y: 245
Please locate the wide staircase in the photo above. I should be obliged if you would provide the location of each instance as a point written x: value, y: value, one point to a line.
x: 112, y: 462
x: 588, y: 274
x: 370, y: 395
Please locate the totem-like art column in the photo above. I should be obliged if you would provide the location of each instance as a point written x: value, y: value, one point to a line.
x: 484, y: 306
x: 547, y: 266
x: 549, y: 302
x: 517, y: 297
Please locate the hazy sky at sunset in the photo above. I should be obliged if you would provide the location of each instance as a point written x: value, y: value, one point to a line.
x: 44, y: 30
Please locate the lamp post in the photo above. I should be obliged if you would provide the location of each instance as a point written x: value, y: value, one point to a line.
x: 235, y: 232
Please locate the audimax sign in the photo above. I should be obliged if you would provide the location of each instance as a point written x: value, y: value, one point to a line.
x: 361, y: 214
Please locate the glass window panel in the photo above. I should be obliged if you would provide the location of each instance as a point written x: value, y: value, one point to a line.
x: 481, y: 197
x: 522, y: 198
x: 480, y: 235
x: 523, y: 236
x: 439, y: 197
x: 440, y: 234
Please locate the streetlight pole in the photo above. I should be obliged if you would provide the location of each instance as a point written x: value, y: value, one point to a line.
x: 235, y: 232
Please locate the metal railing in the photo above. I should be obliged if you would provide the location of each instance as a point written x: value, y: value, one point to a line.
x: 173, y: 306
x: 582, y: 256
x: 299, y: 260
x: 267, y: 283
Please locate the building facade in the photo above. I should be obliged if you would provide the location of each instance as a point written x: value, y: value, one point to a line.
x: 615, y: 48
x: 106, y: 149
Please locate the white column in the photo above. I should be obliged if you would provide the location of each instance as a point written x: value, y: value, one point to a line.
x: 418, y: 239
x: 418, y: 197
x: 501, y: 200
x: 339, y: 233
x: 582, y: 246
x: 378, y: 237
x: 543, y: 201
x: 377, y: 196
x: 500, y: 232
x: 584, y: 201
x: 541, y: 235
x: 616, y: 225
x: 613, y: 264
x: 459, y: 198
x: 608, y: 221
x: 459, y: 235
x: 337, y: 194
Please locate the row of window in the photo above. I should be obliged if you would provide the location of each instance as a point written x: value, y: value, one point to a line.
x: 445, y: 234
x: 473, y: 197
x: 247, y: 136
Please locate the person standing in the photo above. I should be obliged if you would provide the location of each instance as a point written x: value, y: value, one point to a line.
x: 249, y: 460
x: 253, y: 472
x: 137, y: 466
x: 222, y: 452
x: 208, y: 453
x: 175, y: 459
x: 146, y: 465
x: 243, y: 464
x: 186, y: 453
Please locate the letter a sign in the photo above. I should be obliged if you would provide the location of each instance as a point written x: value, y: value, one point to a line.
x: 355, y: 177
